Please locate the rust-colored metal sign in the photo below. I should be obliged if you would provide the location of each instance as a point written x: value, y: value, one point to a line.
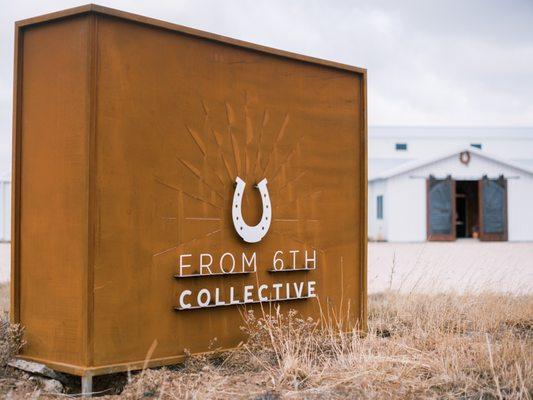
x: 166, y: 179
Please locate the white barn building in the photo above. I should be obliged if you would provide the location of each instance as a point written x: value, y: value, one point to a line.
x: 449, y: 183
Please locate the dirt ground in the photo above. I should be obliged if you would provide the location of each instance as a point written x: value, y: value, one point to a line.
x: 462, y: 266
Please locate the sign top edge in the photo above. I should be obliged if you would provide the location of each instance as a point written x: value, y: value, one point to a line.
x: 97, y: 9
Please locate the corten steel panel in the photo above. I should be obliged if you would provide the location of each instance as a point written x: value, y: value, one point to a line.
x: 53, y: 221
x: 172, y: 117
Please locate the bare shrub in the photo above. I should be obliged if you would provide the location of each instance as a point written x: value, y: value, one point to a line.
x: 11, y: 340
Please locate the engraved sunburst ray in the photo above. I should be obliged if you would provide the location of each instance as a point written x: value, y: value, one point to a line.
x: 255, y: 143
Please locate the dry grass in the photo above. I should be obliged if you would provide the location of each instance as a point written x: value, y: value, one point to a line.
x: 4, y: 298
x: 417, y: 346
x: 11, y: 341
x: 11, y: 335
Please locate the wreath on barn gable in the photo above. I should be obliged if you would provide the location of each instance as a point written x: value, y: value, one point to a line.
x: 464, y: 157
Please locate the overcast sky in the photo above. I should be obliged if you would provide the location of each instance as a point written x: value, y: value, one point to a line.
x: 430, y: 63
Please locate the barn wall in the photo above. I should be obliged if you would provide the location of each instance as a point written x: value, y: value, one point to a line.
x: 520, y: 212
x: 407, y: 209
x: 377, y: 228
x: 406, y: 212
x: 519, y: 189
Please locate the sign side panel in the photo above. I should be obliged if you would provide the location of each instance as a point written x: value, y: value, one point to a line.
x: 53, y: 189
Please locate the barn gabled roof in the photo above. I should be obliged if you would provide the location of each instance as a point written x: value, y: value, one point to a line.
x: 412, y: 165
x: 450, y: 132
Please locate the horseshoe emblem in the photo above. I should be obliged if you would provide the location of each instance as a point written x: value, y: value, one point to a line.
x: 251, y: 234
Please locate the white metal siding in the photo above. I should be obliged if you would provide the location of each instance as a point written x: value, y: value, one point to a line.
x: 520, y: 208
x: 407, y: 209
x: 377, y: 228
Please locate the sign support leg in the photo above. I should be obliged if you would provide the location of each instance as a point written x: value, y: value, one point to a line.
x: 87, y: 385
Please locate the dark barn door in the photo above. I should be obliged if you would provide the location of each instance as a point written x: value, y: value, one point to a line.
x: 493, y: 209
x: 440, y: 209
